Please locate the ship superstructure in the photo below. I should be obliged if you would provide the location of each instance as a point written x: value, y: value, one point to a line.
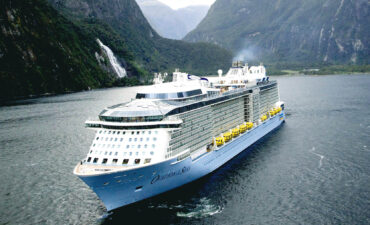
x: 173, y: 133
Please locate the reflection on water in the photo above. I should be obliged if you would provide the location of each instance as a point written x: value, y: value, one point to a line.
x: 313, y: 170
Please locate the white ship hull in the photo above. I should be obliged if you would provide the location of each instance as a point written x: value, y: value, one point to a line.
x: 121, y: 188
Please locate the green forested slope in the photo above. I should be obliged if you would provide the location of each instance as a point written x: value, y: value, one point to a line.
x: 42, y: 52
x: 150, y: 51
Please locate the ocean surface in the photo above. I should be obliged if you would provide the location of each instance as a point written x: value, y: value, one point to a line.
x: 315, y: 169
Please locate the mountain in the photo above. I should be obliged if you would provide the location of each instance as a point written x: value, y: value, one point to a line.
x: 42, y: 52
x: 301, y: 31
x: 120, y: 25
x: 169, y: 23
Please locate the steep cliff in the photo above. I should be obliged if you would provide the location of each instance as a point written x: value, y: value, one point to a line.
x: 321, y: 31
x: 42, y: 52
x: 121, y: 21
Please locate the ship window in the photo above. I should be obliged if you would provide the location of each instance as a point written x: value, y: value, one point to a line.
x: 110, y: 153
x: 139, y: 146
x: 106, y: 139
x: 115, y: 161
x: 113, y: 146
x: 116, y: 153
x: 105, y: 153
x: 108, y: 146
x: 150, y: 132
x: 89, y: 159
x: 109, y: 132
x: 105, y: 131
x: 138, y: 132
x: 152, y: 153
x: 141, y: 139
x: 115, y: 139
x: 125, y: 161
x: 118, y: 132
x: 153, y: 145
x: 99, y: 132
x: 143, y: 132
x: 137, y: 153
x: 130, y: 139
x: 123, y: 132
x: 127, y: 146
x: 154, y: 139
x: 105, y: 160
x: 130, y: 153
x: 132, y: 132
x: 145, y: 146
x: 114, y: 132
x: 97, y: 138
x: 111, y: 139
x: 121, y: 139
x: 96, y: 160
x: 118, y: 146
x: 137, y: 161
x: 94, y: 145
x: 147, y: 139
x: 103, y: 145
x: 147, y: 161
x: 156, y: 132
x: 135, y: 139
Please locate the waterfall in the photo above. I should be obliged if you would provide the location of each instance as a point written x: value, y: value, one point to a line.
x: 118, y: 69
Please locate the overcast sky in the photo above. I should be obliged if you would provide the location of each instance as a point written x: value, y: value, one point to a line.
x: 176, y: 4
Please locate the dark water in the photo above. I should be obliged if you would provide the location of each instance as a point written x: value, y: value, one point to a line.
x: 314, y: 170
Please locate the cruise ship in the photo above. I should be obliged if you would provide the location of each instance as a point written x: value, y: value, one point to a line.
x: 174, y: 133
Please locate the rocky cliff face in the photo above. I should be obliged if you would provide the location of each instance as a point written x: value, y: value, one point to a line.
x: 322, y: 31
x: 122, y: 21
x: 42, y: 52
x: 169, y: 23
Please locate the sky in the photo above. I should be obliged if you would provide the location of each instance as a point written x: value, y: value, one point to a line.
x: 176, y: 4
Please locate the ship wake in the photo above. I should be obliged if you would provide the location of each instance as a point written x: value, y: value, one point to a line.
x: 321, y: 156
